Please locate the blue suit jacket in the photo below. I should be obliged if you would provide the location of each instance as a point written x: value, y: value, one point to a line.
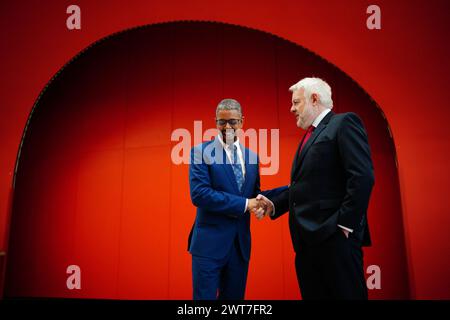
x: 220, y: 205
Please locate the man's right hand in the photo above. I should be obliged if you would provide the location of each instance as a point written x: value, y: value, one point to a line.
x: 259, y: 206
x: 252, y: 205
x: 265, y: 208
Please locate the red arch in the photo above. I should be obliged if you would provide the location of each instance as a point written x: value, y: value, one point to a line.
x: 99, y: 143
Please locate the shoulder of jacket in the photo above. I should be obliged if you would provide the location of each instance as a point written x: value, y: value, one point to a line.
x: 202, y: 146
x: 339, y: 117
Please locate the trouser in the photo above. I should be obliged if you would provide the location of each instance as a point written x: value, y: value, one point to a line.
x: 223, y: 279
x: 333, y: 269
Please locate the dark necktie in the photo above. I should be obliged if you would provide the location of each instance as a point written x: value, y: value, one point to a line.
x: 307, y: 136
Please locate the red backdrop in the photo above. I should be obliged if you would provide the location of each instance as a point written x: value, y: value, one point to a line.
x: 95, y: 138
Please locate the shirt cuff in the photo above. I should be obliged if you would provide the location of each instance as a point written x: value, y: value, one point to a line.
x: 246, y: 205
x: 345, y: 228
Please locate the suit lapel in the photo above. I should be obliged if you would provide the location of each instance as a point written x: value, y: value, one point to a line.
x: 295, y: 162
x: 246, y: 154
x: 298, y: 164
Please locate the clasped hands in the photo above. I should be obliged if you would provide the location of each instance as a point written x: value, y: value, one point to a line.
x: 260, y: 206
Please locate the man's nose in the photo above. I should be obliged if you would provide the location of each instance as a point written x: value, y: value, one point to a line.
x: 227, y: 126
x: 292, y: 109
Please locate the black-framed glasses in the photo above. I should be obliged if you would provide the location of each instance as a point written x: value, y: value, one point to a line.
x: 232, y: 122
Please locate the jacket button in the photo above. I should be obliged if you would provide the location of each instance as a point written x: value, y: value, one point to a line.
x: 294, y: 204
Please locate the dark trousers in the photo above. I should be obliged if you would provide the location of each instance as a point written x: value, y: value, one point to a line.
x: 223, y: 279
x: 332, y: 269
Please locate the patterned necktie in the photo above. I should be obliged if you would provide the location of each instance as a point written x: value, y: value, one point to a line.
x: 237, y: 168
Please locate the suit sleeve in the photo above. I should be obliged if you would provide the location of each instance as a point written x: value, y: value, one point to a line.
x: 280, y: 202
x: 202, y: 193
x: 355, y: 156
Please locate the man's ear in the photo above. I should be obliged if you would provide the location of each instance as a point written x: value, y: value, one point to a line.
x: 314, y: 99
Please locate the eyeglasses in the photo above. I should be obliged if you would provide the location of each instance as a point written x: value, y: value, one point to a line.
x: 232, y: 122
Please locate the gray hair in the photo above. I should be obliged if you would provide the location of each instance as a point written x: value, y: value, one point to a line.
x: 229, y: 104
x: 317, y: 86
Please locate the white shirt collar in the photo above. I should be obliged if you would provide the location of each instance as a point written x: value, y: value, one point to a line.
x: 320, y: 117
x: 228, y: 152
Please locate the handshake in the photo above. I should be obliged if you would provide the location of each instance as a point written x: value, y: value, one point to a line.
x: 260, y: 206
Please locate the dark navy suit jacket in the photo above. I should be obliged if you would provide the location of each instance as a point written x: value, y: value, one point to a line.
x: 331, y: 182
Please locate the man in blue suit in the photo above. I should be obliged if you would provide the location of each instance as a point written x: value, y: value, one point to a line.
x: 224, y: 181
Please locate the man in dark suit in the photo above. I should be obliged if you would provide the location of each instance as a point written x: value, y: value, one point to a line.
x: 224, y: 181
x: 331, y: 182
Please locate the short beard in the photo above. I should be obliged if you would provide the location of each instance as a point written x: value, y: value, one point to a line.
x: 310, y: 113
x: 228, y: 139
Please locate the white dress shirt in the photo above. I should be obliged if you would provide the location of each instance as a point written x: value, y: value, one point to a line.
x: 228, y: 152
